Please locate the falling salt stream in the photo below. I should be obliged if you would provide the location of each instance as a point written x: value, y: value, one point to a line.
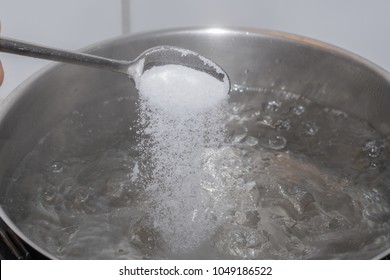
x: 261, y: 173
x: 183, y: 110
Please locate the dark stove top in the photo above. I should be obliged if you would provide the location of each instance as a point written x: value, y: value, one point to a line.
x: 12, y: 247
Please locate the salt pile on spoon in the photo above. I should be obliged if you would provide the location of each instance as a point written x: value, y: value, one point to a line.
x: 181, y: 116
x: 181, y: 90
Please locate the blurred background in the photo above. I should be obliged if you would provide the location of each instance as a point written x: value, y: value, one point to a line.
x: 360, y: 26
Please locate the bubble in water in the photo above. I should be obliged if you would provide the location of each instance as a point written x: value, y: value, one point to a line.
x: 239, y: 134
x: 336, y: 113
x: 278, y: 142
x: 374, y: 164
x: 282, y: 124
x: 266, y: 120
x: 372, y: 148
x: 298, y: 110
x: 56, y: 166
x: 273, y: 105
x: 251, y: 141
x: 235, y: 88
x: 256, y: 114
x: 311, y: 128
x: 236, y: 109
x: 48, y: 194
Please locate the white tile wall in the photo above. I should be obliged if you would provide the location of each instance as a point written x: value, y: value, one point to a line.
x: 69, y: 24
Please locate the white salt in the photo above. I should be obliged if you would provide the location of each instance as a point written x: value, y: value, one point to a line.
x: 181, y: 115
x: 181, y: 90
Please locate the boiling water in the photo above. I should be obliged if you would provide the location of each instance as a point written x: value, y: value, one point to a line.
x: 278, y: 176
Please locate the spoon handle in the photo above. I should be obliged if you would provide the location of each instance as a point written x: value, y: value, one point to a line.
x: 8, y: 45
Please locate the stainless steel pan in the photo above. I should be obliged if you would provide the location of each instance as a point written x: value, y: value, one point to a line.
x: 253, y: 58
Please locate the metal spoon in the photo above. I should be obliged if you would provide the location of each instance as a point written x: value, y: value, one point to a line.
x: 157, y: 56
